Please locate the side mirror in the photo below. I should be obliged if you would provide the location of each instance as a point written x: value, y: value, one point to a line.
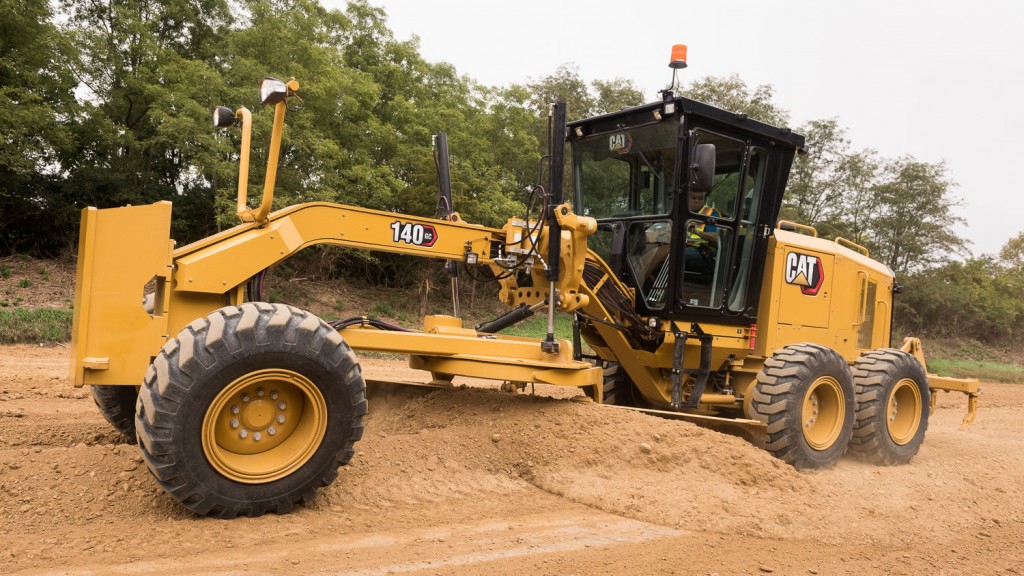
x: 702, y: 168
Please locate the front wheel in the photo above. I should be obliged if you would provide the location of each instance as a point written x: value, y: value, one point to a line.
x: 250, y: 410
x: 619, y: 390
x: 117, y: 405
x: 804, y: 394
x: 892, y: 407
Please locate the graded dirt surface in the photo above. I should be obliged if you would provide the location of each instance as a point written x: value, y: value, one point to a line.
x: 477, y: 481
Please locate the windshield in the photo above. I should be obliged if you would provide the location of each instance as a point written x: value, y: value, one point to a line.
x: 627, y: 172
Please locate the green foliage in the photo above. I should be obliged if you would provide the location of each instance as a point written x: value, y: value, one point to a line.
x: 913, y: 227
x: 35, y: 326
x: 983, y: 370
x: 537, y: 327
x: 36, y: 106
x: 731, y: 93
x: 108, y: 103
x: 384, y: 309
x: 978, y: 298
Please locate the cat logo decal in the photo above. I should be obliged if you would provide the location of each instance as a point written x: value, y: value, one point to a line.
x: 805, y: 271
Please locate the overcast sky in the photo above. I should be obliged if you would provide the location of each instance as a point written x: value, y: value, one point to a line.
x: 937, y: 80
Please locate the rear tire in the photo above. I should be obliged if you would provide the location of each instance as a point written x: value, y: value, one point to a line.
x: 892, y: 407
x: 805, y: 395
x: 250, y: 410
x: 117, y: 405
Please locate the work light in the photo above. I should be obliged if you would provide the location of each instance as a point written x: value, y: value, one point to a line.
x: 223, y: 117
x: 272, y: 91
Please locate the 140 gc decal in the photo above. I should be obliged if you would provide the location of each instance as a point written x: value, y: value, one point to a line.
x: 416, y: 234
x: 805, y: 271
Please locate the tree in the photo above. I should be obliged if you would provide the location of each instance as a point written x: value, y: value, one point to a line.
x: 818, y: 180
x: 1012, y: 253
x: 731, y: 93
x: 36, y: 105
x: 150, y: 72
x: 913, y: 228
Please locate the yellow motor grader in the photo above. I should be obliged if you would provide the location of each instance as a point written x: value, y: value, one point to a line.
x: 692, y: 300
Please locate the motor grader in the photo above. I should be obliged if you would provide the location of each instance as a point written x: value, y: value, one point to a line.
x: 717, y: 313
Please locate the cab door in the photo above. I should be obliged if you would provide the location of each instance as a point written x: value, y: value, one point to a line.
x: 719, y: 277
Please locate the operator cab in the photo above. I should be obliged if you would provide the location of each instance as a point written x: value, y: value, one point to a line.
x: 686, y: 196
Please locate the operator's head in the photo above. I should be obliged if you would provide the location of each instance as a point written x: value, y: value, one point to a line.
x: 696, y: 199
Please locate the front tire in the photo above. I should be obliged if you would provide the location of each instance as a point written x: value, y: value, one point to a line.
x: 619, y: 390
x: 892, y: 407
x: 805, y: 395
x: 250, y: 410
x: 117, y: 405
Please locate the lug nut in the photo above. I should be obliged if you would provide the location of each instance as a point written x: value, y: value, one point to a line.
x: 245, y: 397
x: 257, y: 436
x: 235, y: 409
x: 234, y: 422
x: 259, y: 391
x: 243, y: 433
x: 281, y: 405
x: 271, y: 431
x: 273, y: 395
x: 280, y: 418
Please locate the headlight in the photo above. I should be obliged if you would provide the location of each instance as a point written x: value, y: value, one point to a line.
x: 223, y: 117
x: 272, y: 91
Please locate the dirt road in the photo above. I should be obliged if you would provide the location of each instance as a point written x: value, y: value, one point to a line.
x: 481, y: 482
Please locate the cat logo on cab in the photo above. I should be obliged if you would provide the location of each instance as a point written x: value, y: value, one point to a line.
x: 805, y: 271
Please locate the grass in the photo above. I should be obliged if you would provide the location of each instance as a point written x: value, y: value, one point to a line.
x: 537, y: 326
x: 984, y: 370
x: 39, y: 325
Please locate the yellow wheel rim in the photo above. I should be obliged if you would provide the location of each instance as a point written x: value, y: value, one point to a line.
x: 903, y: 411
x: 822, y: 416
x: 264, y: 426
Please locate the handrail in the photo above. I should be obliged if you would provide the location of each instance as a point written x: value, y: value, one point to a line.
x: 853, y: 245
x: 798, y: 226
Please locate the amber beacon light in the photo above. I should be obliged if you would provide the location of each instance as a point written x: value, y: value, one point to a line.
x: 678, y: 59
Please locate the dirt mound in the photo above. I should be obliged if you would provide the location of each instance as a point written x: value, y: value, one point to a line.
x: 611, y: 460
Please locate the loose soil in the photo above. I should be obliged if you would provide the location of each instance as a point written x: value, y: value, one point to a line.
x: 478, y: 481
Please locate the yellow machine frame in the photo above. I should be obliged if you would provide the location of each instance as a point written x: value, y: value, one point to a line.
x: 123, y: 250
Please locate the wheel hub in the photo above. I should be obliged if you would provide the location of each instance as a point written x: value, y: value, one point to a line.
x: 903, y: 411
x: 264, y: 425
x: 822, y: 414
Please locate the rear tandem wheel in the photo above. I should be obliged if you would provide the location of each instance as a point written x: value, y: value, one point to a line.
x: 250, y: 410
x: 805, y: 395
x: 892, y: 407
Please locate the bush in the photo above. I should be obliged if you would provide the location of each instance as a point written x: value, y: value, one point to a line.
x: 50, y: 325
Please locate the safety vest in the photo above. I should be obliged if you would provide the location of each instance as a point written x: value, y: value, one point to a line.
x: 705, y: 211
